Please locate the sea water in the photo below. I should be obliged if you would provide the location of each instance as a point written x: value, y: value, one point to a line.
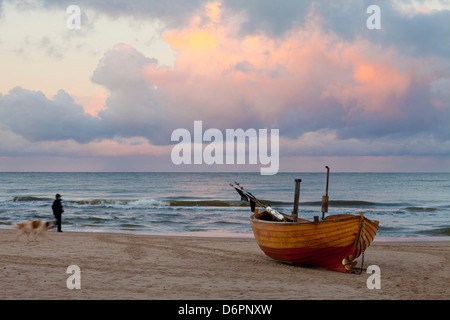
x: 411, y: 205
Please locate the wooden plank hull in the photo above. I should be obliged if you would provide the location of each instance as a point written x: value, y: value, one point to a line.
x: 322, y: 244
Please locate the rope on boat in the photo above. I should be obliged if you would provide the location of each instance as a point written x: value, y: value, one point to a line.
x: 348, y: 262
x: 363, y: 247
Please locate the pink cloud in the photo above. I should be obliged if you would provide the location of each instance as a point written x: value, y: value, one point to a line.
x: 219, y: 75
x: 377, y: 85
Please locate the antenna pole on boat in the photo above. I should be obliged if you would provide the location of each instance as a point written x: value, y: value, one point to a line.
x: 296, y: 199
x: 325, y: 197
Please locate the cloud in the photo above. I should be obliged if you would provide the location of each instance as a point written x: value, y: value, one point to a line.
x: 273, y: 18
x: 309, y: 79
x: 425, y: 33
x: 36, y: 118
x: 133, y: 107
x: 173, y: 12
x: 422, y: 31
x: 420, y: 27
x: 328, y: 143
x: 323, y: 87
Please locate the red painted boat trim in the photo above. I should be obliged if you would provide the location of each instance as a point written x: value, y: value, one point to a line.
x: 326, y: 258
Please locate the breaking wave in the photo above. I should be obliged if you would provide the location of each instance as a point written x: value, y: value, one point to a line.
x: 213, y: 203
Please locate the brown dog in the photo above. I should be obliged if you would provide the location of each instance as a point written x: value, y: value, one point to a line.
x: 35, y: 227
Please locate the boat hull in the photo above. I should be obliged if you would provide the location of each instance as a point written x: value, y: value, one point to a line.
x: 321, y: 244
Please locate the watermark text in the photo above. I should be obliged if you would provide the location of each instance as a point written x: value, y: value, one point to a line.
x: 73, y: 281
x: 229, y: 149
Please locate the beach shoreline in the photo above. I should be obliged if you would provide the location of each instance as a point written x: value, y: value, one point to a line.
x: 228, y: 235
x: 122, y: 266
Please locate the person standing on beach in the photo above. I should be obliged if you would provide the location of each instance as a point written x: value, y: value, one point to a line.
x: 58, y: 210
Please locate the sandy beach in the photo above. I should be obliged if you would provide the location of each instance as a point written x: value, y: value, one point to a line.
x: 127, y: 266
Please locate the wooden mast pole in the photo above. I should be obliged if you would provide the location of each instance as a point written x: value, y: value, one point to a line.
x: 296, y: 199
x: 325, y: 197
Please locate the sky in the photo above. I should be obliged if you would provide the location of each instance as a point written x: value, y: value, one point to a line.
x: 109, y: 95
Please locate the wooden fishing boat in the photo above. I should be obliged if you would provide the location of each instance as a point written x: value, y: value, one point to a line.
x: 333, y: 242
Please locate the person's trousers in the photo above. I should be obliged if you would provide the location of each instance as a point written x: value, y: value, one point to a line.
x: 58, y: 221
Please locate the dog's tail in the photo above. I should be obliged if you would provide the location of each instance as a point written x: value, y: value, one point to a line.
x: 15, y: 225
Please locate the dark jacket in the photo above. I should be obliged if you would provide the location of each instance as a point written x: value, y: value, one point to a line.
x: 57, y: 208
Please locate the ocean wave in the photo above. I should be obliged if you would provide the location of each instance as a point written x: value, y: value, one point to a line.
x: 444, y: 231
x: 145, y: 202
x: 29, y: 199
x: 418, y: 209
x: 181, y: 202
x: 346, y: 203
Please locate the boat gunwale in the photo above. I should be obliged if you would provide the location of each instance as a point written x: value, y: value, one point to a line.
x: 291, y: 223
